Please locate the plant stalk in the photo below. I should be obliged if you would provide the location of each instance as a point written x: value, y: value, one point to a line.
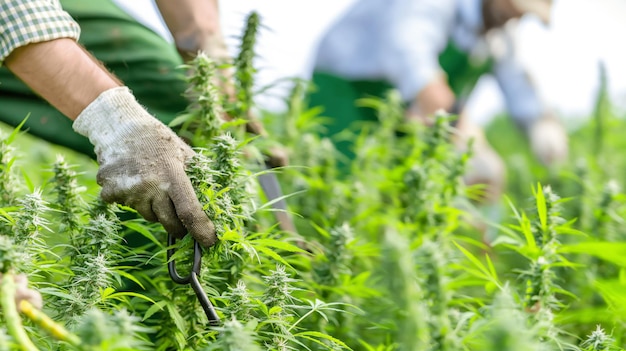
x: 11, y: 315
x: 46, y: 323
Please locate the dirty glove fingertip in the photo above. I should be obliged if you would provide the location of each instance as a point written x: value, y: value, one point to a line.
x: 204, y: 234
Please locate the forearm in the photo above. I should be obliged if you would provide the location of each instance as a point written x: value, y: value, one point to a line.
x: 520, y: 92
x: 195, y: 25
x: 62, y: 72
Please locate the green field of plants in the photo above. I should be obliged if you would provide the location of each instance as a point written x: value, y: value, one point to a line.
x: 392, y: 252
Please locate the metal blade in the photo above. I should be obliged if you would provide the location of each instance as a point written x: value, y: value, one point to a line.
x: 271, y: 188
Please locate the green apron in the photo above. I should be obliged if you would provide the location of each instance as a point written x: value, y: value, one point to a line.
x: 338, y: 95
x: 138, y: 56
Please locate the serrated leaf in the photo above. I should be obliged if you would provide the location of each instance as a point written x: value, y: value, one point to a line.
x: 129, y: 277
x: 271, y: 253
x: 542, y: 211
x: 275, y: 310
x: 137, y: 227
x: 277, y: 244
x: 614, y: 252
x: 180, y: 322
x: 180, y: 119
x: 154, y: 309
x: 316, y: 336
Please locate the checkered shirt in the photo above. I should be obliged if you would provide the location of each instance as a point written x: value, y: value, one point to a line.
x: 31, y: 21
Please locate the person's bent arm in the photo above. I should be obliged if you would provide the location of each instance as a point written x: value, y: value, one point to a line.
x: 547, y: 137
x: 195, y: 26
x: 61, y: 72
x: 142, y: 161
x: 418, y: 33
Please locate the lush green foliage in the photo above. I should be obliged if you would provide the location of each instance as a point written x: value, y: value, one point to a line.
x: 391, y: 252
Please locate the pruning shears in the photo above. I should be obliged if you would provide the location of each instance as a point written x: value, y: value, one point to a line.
x: 273, y: 192
x: 271, y: 187
x: 192, y: 278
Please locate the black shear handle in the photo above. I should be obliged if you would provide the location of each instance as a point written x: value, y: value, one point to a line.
x: 192, y: 278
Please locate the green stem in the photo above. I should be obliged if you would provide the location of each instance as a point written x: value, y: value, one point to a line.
x: 14, y: 323
x: 41, y: 319
x: 301, y: 318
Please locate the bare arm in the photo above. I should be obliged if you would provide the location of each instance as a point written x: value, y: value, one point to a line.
x: 132, y: 146
x: 142, y: 161
x: 62, y: 72
x: 195, y: 25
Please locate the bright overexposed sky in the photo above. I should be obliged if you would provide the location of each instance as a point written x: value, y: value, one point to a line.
x: 563, y: 59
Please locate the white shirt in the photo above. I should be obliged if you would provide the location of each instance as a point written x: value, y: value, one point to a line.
x: 400, y: 41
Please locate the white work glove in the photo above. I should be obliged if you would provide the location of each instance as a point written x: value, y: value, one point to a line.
x: 142, y: 164
x: 548, y: 141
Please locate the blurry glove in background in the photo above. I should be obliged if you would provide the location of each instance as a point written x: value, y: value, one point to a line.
x: 548, y: 141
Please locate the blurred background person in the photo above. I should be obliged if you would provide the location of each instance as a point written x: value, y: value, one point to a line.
x: 433, y: 52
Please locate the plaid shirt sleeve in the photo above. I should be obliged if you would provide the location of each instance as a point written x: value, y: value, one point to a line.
x: 31, y: 21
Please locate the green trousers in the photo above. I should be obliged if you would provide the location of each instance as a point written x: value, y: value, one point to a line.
x: 338, y: 96
x: 138, y: 56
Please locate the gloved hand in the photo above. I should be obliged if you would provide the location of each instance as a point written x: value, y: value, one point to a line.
x: 548, y: 141
x: 277, y: 156
x: 142, y: 164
